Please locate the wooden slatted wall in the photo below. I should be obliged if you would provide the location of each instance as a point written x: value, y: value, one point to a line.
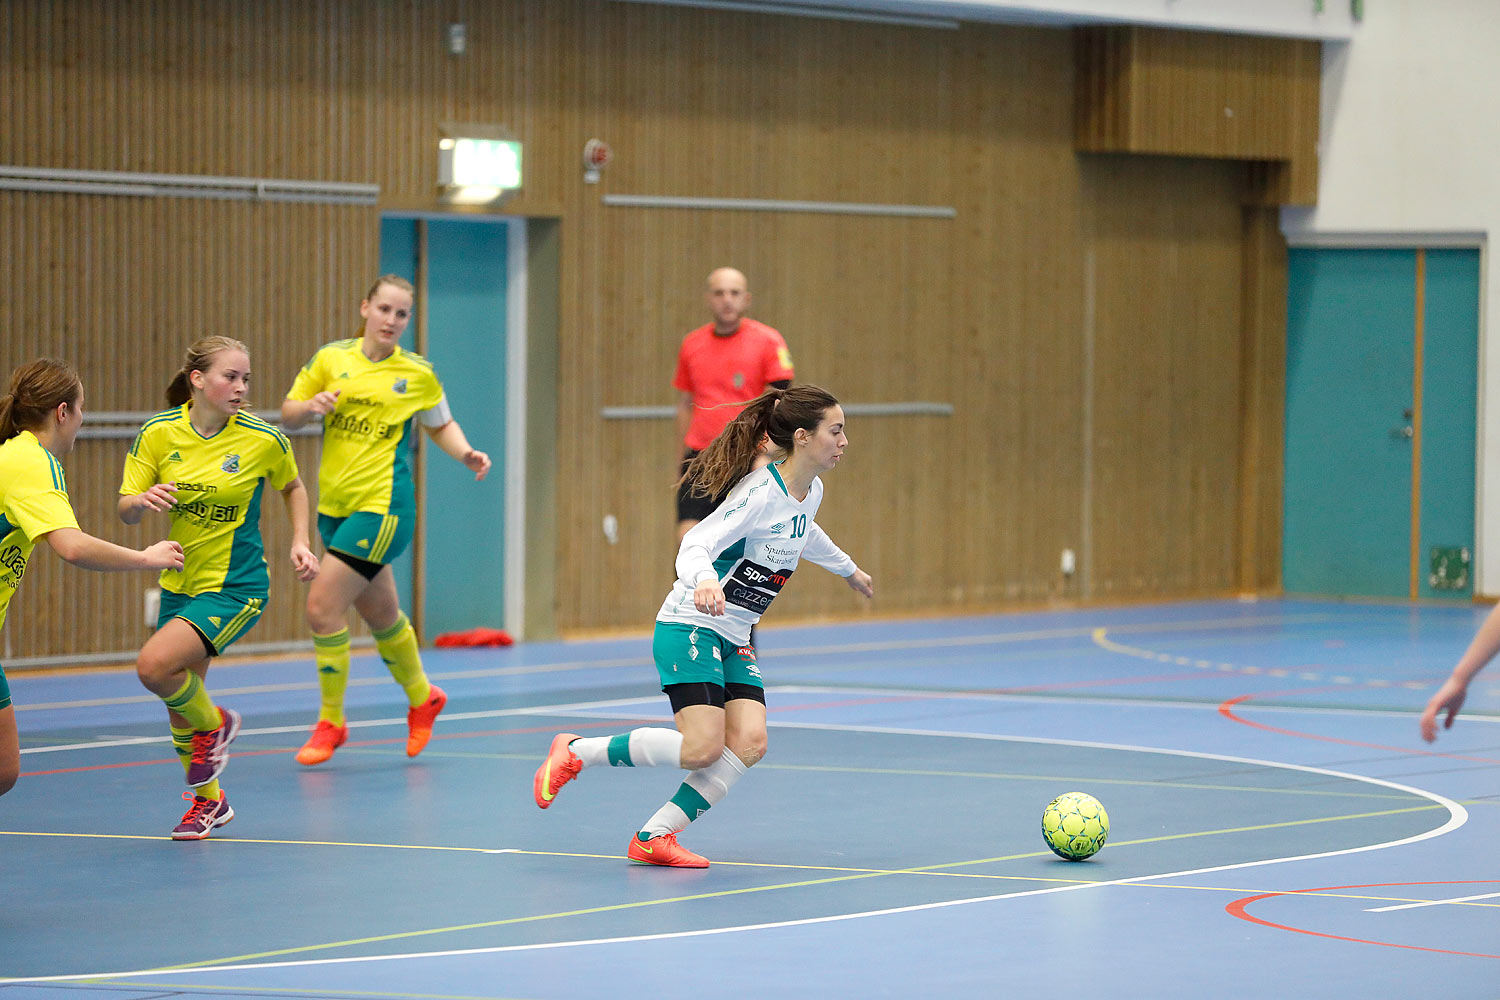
x: 1084, y: 315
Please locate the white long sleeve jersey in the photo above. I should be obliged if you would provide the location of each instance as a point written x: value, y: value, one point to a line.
x: 751, y: 544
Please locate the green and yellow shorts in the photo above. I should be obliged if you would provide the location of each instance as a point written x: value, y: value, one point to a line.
x: 375, y: 539
x: 220, y: 618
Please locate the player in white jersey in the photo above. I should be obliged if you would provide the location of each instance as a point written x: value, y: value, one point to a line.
x: 730, y: 567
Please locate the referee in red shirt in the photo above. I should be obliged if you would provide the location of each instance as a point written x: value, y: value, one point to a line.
x: 722, y: 366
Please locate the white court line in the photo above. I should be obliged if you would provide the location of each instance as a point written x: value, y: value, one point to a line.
x: 993, y: 638
x: 1433, y: 902
x: 1457, y: 817
x: 583, y: 708
x: 129, y: 741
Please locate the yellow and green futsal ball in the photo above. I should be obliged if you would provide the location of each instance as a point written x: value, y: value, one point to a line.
x: 1075, y: 826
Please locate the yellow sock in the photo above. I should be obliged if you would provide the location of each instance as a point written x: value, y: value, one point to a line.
x: 193, y: 703
x: 182, y: 742
x: 332, y: 654
x: 398, y: 648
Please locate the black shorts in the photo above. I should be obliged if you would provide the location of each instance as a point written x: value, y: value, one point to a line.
x: 689, y: 506
x: 365, y: 568
x: 704, y: 693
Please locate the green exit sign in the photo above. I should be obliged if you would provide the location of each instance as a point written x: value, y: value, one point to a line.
x: 479, y: 170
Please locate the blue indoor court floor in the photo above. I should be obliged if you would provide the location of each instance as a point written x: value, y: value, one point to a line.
x: 1278, y: 828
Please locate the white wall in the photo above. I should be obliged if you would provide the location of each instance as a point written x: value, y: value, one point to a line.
x: 1298, y: 18
x: 1409, y: 155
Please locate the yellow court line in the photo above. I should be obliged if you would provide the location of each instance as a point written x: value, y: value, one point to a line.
x: 923, y: 870
x: 613, y: 908
x: 856, y: 876
x: 178, y: 988
x: 1322, y: 793
x: 253, y: 840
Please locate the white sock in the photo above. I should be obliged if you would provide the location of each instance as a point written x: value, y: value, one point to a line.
x: 645, y: 747
x: 703, y: 789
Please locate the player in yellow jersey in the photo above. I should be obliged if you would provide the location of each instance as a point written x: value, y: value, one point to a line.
x: 207, y: 461
x: 39, y: 420
x: 368, y: 390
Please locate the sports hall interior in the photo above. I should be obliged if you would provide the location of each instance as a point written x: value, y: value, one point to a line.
x: 1048, y: 257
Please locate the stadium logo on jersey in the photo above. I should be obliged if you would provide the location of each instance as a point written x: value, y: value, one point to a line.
x: 231, y: 464
x: 174, y: 457
x: 754, y: 587
x: 400, y: 385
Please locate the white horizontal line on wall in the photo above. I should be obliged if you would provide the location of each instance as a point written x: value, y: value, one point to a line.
x: 114, y: 182
x: 773, y: 205
x: 850, y: 409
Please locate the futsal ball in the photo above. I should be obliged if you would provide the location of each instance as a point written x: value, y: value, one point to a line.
x: 1075, y: 826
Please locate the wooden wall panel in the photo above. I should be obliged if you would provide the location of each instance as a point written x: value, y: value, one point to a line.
x: 1188, y: 93
x: 1051, y: 256
x: 1166, y: 240
x: 1263, y: 384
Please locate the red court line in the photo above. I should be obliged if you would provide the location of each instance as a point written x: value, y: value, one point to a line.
x: 361, y: 743
x: 1237, y: 909
x: 1226, y: 709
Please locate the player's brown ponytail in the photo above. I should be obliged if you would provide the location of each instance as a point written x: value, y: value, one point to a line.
x: 777, y: 414
x: 36, y: 389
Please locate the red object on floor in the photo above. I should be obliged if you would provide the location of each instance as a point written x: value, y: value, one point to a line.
x: 475, y: 637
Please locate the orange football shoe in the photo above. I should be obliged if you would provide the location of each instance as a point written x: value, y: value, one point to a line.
x: 665, y: 851
x: 325, y: 739
x: 561, y: 766
x: 419, y: 721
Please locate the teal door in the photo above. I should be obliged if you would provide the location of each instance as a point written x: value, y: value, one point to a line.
x: 462, y: 522
x: 1364, y: 422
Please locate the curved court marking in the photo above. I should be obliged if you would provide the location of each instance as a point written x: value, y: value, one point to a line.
x: 1102, y: 640
x: 1238, y: 908
x: 1227, y: 710
x: 1457, y: 816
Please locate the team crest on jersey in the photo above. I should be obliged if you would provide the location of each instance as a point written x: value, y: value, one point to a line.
x: 231, y: 464
x: 400, y: 385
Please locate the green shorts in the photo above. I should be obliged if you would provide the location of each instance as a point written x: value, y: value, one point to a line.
x: 219, y: 617
x: 4, y: 690
x: 373, y: 538
x: 688, y: 653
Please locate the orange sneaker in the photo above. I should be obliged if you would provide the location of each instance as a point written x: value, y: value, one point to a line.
x: 561, y: 766
x: 325, y: 739
x: 419, y: 721
x: 664, y: 850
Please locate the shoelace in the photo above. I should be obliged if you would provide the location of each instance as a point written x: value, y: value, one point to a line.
x: 203, y: 745
x: 199, y: 803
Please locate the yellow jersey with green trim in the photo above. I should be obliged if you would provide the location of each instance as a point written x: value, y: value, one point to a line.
x: 219, y: 480
x: 367, y: 438
x: 33, y: 502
